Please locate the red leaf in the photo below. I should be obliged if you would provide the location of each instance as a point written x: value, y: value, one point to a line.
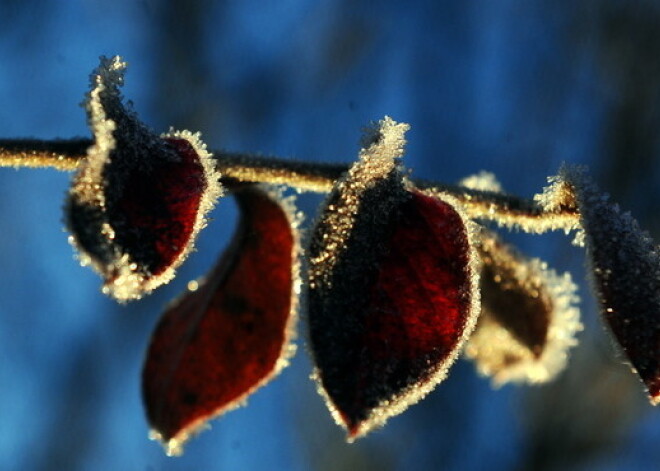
x: 216, y: 345
x: 391, y: 298
x: 138, y: 200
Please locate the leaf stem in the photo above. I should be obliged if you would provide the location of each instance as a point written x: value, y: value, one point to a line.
x: 506, y: 210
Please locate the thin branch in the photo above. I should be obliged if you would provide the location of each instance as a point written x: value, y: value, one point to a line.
x: 506, y: 210
x: 304, y: 176
x: 62, y: 154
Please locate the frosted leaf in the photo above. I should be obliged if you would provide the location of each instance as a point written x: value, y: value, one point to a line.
x: 231, y: 333
x: 528, y: 318
x: 625, y: 270
x: 392, y: 292
x: 139, y: 199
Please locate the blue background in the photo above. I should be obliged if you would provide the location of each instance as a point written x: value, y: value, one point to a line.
x: 511, y: 87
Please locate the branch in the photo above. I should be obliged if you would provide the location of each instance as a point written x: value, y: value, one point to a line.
x: 62, y: 154
x: 506, y: 210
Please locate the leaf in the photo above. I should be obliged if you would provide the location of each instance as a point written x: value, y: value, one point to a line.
x: 138, y: 199
x: 625, y: 266
x: 216, y: 345
x: 392, y: 292
x: 528, y: 316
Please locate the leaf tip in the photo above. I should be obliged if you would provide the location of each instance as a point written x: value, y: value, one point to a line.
x: 655, y: 398
x: 385, y: 138
x: 174, y: 445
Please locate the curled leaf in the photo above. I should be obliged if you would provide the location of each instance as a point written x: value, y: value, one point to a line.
x: 217, y: 344
x: 138, y: 199
x: 625, y: 266
x: 528, y: 316
x: 392, y: 292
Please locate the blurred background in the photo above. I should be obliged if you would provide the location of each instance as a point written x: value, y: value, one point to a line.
x: 511, y: 87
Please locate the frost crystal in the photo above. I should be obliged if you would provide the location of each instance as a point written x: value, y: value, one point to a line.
x: 483, y: 181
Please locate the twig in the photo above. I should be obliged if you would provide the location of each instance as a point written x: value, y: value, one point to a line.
x: 506, y: 210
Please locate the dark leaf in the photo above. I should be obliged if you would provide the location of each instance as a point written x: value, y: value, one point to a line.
x: 625, y: 266
x: 139, y: 199
x: 528, y: 316
x: 216, y: 345
x: 392, y: 292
